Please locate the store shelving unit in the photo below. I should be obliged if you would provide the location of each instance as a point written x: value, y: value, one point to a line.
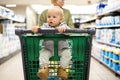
x: 97, y: 22
x: 97, y: 56
x: 104, y: 28
x: 10, y: 44
x: 88, y: 23
x: 88, y: 20
x: 110, y: 10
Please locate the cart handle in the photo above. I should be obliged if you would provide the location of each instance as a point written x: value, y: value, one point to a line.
x: 54, y: 31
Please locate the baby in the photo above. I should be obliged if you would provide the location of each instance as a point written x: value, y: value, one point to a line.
x: 54, y: 20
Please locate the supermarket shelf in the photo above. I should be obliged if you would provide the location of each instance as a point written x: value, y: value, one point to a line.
x: 16, y: 20
x: 109, y: 26
x: 2, y: 60
x: 110, y: 44
x: 88, y: 20
x: 106, y: 12
x: 116, y: 73
x: 2, y: 17
x: 90, y: 26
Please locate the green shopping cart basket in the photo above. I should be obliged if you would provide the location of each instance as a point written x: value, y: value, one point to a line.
x: 80, y: 42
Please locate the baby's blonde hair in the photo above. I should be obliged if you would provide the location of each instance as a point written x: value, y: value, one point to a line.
x: 57, y: 9
x: 53, y: 1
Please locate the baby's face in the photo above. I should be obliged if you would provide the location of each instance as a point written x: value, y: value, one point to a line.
x: 53, y: 18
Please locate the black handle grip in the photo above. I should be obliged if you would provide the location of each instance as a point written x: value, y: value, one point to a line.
x: 54, y: 31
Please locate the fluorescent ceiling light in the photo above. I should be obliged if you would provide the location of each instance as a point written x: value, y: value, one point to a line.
x: 11, y: 5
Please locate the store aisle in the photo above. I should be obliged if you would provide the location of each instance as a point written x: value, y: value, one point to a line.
x: 12, y: 70
x: 100, y: 72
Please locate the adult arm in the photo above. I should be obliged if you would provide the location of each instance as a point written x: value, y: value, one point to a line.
x: 68, y: 18
x: 43, y: 17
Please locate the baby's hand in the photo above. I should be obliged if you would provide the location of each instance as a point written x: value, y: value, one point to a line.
x: 35, y: 29
x: 61, y: 29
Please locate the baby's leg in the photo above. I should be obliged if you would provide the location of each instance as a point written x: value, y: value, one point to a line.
x: 64, y: 62
x: 44, y: 63
x: 65, y: 57
x: 44, y: 57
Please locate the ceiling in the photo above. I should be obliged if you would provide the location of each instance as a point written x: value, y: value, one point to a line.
x: 75, y: 8
x: 47, y: 2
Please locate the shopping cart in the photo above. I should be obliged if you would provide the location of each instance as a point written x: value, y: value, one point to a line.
x: 80, y: 42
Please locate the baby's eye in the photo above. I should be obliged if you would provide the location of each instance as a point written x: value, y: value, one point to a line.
x: 48, y: 16
x: 54, y: 16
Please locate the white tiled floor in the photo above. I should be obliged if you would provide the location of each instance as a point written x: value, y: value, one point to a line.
x: 12, y: 70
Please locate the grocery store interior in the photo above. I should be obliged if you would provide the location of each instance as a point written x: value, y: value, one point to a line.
x: 103, y: 53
